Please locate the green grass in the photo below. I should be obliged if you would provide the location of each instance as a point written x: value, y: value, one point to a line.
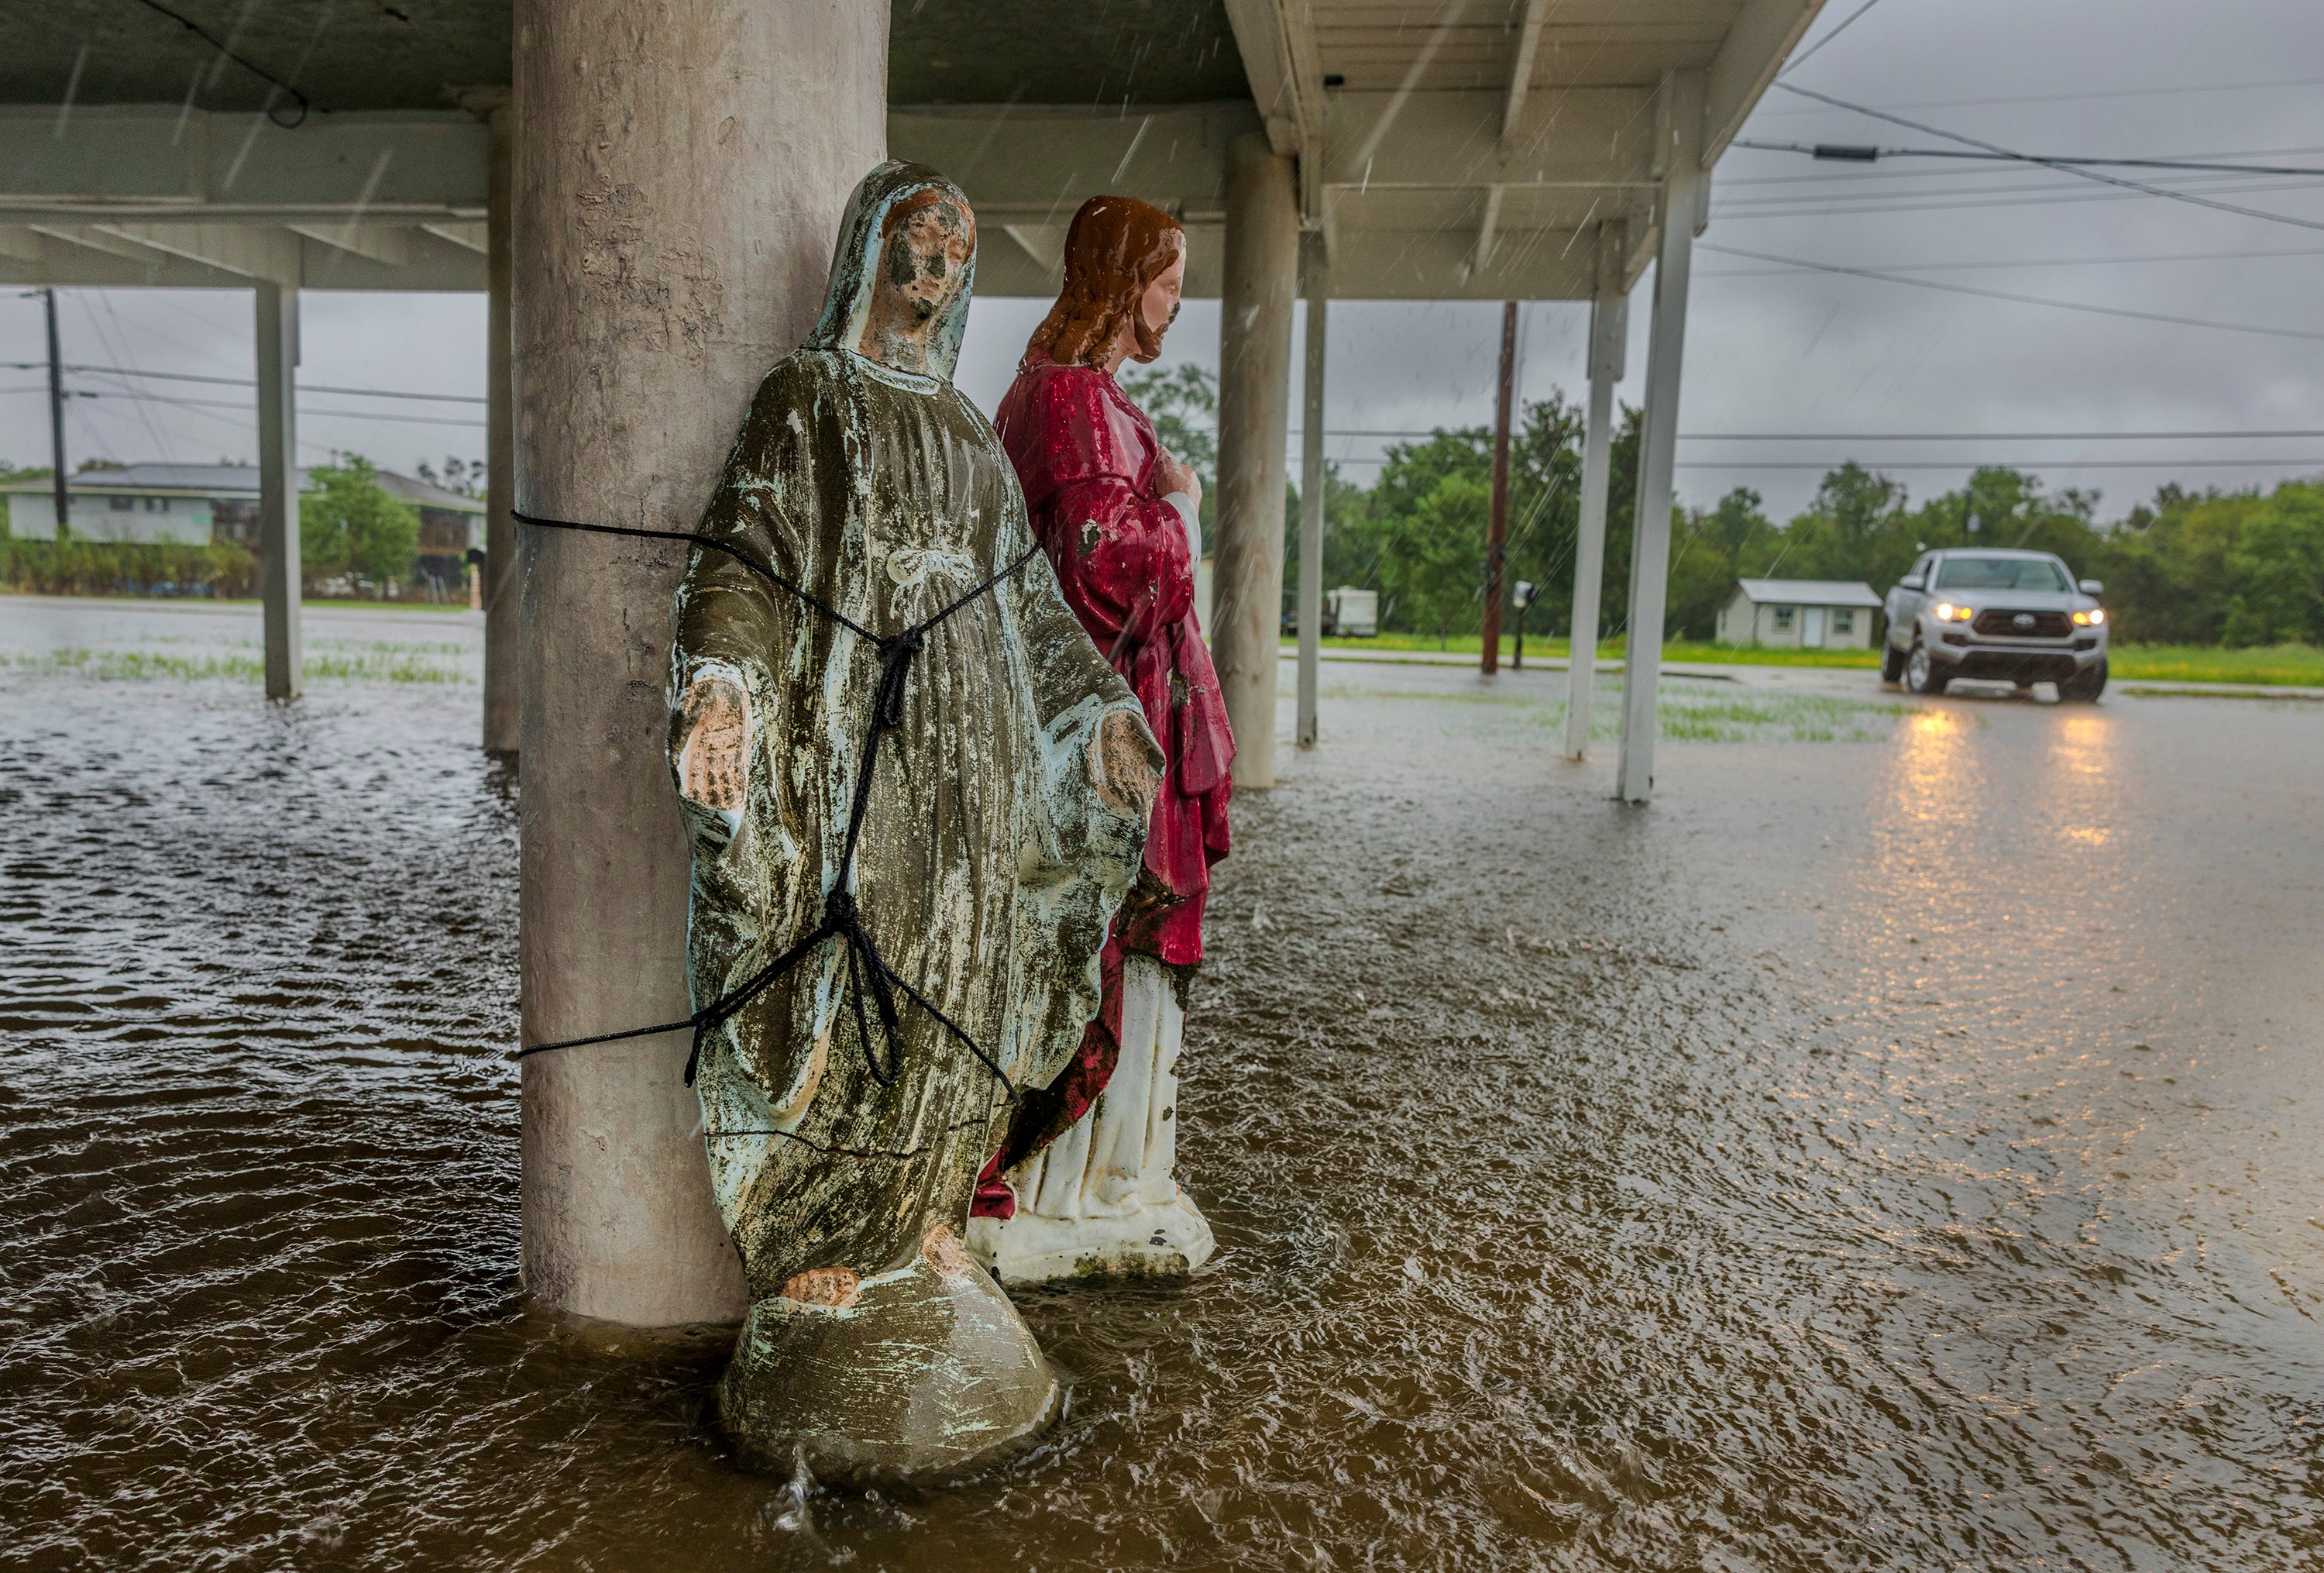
x: 1686, y: 712
x: 2273, y: 665
x: 2279, y: 665
x: 206, y: 602
x: 1746, y: 717
x: 352, y: 661
x: 1607, y: 650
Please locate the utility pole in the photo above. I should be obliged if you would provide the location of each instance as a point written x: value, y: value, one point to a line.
x: 57, y: 414
x: 1498, y: 529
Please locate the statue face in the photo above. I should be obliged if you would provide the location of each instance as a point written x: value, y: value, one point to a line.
x: 1158, y: 307
x: 923, y: 265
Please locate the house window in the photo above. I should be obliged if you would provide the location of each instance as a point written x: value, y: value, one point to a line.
x: 124, y: 504
x: 1783, y: 619
x: 1843, y: 619
x: 157, y: 505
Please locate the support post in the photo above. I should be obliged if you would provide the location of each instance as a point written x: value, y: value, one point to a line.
x: 1650, y: 528
x: 1312, y: 482
x: 278, y: 484
x: 1609, y: 337
x: 57, y: 485
x: 679, y: 176
x: 1497, y: 524
x: 498, y: 572
x: 1261, y: 279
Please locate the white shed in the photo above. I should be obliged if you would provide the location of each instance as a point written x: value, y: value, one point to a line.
x: 1800, y: 614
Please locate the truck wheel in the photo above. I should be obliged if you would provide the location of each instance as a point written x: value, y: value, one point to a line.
x: 1891, y: 662
x: 2084, y: 687
x: 1920, y: 674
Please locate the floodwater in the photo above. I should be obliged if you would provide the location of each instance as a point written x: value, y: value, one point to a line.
x: 1895, y: 1153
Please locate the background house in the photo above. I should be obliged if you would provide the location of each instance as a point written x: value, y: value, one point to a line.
x: 1800, y: 614
x: 192, y: 504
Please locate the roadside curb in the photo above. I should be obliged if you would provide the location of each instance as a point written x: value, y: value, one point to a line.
x: 2141, y: 688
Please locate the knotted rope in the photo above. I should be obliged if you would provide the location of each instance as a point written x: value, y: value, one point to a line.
x: 867, y: 971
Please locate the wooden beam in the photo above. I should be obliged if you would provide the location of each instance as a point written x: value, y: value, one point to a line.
x: 1277, y: 41
x: 476, y: 237
x: 1487, y: 224
x: 96, y: 238
x: 380, y: 243
x: 245, y: 251
x: 1762, y: 37
x: 1037, y: 164
x: 1521, y: 71
x: 1588, y: 136
x: 150, y: 160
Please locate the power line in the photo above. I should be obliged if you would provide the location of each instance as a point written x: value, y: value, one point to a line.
x: 1898, y: 436
x: 2006, y: 295
x: 1807, y: 205
x: 1801, y: 57
x: 144, y: 416
x: 2059, y: 262
x: 2088, y: 174
x: 1856, y: 177
x: 2078, y: 98
x: 1987, y: 436
x: 1854, y: 154
x: 2316, y: 463
x: 203, y: 413
x: 116, y: 371
x: 304, y: 413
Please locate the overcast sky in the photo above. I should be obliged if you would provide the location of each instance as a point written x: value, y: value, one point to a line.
x: 1772, y: 348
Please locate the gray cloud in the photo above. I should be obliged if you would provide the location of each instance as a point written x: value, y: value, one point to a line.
x: 1768, y: 350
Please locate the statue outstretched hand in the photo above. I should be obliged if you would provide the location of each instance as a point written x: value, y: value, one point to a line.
x: 1120, y: 766
x: 712, y: 762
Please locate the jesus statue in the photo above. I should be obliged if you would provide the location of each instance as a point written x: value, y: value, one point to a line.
x: 1084, y: 1182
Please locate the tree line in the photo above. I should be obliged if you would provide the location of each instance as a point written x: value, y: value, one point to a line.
x: 2235, y: 568
x: 353, y: 532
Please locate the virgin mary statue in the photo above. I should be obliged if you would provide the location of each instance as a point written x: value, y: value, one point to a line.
x: 898, y: 752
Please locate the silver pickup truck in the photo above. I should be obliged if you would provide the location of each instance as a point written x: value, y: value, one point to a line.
x: 1999, y: 615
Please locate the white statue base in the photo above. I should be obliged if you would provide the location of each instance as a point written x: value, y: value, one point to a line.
x: 1101, y: 1200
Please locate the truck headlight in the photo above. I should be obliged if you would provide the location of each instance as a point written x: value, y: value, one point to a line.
x: 2091, y: 618
x: 1949, y: 613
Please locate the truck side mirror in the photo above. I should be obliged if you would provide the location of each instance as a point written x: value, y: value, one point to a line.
x: 2093, y: 587
x: 1912, y: 581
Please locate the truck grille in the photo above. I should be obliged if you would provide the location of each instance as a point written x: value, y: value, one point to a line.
x: 2006, y: 624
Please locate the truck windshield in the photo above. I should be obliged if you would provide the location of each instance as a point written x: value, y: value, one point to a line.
x: 2000, y: 573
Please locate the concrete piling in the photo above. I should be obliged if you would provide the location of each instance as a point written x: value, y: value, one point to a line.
x: 679, y: 175
x: 1262, y: 279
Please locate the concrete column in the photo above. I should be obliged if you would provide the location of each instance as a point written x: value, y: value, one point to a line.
x: 1682, y: 189
x: 1610, y: 335
x: 678, y: 181
x: 1262, y: 265
x: 499, y: 593
x: 1312, y: 482
x: 278, y: 484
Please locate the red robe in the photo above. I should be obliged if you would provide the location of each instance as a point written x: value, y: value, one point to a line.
x: 1085, y: 456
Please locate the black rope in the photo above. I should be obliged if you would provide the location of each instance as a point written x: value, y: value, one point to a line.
x: 833, y: 1149
x: 867, y: 971
x: 297, y: 116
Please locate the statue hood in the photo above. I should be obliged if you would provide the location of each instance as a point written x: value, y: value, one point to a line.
x: 849, y: 299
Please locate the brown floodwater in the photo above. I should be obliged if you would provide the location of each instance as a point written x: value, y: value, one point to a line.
x: 1878, y: 1154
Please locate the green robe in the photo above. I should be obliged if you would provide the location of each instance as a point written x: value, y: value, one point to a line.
x: 988, y: 867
